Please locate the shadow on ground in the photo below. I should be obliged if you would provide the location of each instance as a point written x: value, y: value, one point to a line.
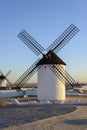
x: 17, y: 115
x: 76, y: 122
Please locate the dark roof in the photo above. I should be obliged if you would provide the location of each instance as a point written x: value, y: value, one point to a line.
x: 2, y: 77
x: 50, y: 58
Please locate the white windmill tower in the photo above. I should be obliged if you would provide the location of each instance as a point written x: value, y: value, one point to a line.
x: 50, y: 86
x: 3, y: 79
x: 52, y: 76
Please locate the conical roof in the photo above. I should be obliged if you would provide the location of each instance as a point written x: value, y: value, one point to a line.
x: 50, y: 58
x: 2, y: 77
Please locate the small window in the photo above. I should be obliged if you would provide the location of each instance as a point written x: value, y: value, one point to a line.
x: 45, y: 66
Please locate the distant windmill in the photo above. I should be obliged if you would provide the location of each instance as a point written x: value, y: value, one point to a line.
x: 3, y: 79
x: 52, y: 76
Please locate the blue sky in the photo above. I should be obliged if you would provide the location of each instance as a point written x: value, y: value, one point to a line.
x: 45, y: 20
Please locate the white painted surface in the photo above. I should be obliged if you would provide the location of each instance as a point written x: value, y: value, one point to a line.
x: 76, y: 102
x: 63, y: 102
x: 15, y: 102
x: 46, y: 102
x: 32, y: 102
x: 10, y: 93
x: 49, y: 86
x: 3, y: 82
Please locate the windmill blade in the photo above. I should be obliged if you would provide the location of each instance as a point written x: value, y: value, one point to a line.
x: 63, y: 39
x: 64, y: 77
x: 31, y: 42
x: 1, y: 73
x: 8, y: 73
x: 27, y: 75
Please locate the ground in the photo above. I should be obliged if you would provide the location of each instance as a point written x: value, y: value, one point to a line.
x: 44, y: 117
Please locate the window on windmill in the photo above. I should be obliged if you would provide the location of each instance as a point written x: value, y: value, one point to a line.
x: 45, y: 66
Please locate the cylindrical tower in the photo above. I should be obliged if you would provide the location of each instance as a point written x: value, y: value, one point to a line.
x: 3, y: 81
x: 50, y: 86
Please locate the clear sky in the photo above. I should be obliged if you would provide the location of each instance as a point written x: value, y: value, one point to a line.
x: 44, y: 20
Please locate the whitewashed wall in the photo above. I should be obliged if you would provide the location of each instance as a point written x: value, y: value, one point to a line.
x: 3, y: 83
x: 49, y: 86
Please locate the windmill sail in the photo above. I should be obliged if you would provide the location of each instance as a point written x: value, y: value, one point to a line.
x: 8, y: 73
x: 63, y: 39
x: 56, y: 46
x: 31, y: 42
x: 23, y: 79
x: 63, y: 75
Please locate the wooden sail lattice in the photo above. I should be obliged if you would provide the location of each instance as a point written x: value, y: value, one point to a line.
x: 56, y: 46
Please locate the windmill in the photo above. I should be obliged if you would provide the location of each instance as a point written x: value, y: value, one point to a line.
x: 3, y: 79
x: 52, y: 76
